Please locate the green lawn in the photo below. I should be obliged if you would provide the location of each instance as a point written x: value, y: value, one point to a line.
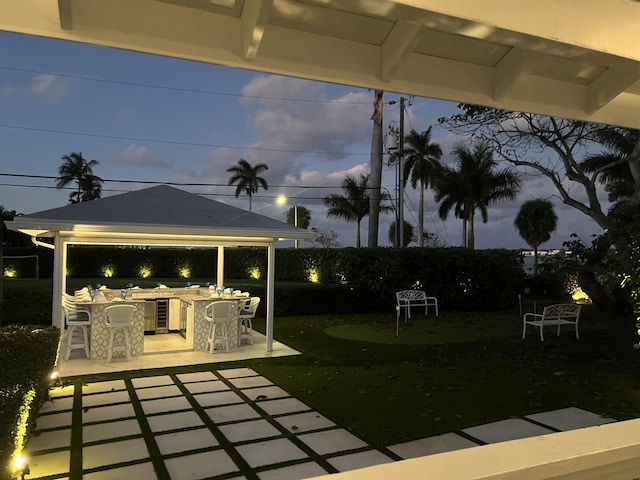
x: 456, y: 371
x: 447, y: 373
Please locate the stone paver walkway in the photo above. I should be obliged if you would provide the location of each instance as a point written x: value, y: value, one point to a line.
x: 224, y: 424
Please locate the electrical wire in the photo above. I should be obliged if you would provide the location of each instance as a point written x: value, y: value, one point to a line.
x: 179, y: 89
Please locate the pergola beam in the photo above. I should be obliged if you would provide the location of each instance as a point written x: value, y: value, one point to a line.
x: 65, y: 15
x: 255, y: 16
x: 396, y: 48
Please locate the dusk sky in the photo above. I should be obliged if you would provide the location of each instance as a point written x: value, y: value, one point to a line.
x: 155, y: 119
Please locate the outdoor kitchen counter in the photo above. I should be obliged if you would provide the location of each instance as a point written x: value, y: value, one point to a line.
x: 197, y: 326
x: 99, y: 333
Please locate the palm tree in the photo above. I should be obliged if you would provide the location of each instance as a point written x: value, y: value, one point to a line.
x: 408, y: 234
x: 615, y: 173
x: 75, y: 168
x: 376, y: 170
x: 448, y: 181
x: 247, y: 179
x: 91, y: 188
x: 354, y: 205
x: 473, y: 186
x: 422, y: 159
x: 535, y: 222
x: 299, y: 216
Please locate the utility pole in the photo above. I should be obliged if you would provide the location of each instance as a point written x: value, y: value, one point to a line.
x: 401, y: 175
x: 295, y: 223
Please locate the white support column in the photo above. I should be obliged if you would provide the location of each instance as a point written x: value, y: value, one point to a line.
x: 271, y: 276
x: 220, y: 272
x: 59, y: 280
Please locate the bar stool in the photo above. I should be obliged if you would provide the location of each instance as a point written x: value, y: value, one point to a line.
x: 77, y: 319
x: 246, y: 315
x: 119, y: 318
x: 220, y: 314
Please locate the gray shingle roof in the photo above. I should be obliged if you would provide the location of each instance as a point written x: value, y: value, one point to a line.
x: 162, y: 207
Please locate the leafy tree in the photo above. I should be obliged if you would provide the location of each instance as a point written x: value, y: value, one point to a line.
x: 247, y: 178
x: 324, y: 239
x: 376, y: 170
x: 408, y: 234
x: 303, y: 214
x: 421, y: 164
x: 535, y: 222
x: 75, y: 168
x: 475, y: 185
x: 354, y: 205
x: 625, y: 233
x: 553, y: 147
x: 539, y: 144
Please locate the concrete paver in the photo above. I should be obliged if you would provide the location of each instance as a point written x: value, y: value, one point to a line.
x: 230, y: 421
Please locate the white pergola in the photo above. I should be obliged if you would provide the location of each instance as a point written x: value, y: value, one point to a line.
x: 156, y: 216
x: 569, y: 58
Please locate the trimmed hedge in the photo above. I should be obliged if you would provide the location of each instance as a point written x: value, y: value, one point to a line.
x: 351, y: 280
x: 27, y: 356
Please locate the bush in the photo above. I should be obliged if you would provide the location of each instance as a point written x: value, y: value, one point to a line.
x: 27, y: 355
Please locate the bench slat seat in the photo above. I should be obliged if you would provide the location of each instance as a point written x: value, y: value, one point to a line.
x: 560, y: 314
x: 405, y: 299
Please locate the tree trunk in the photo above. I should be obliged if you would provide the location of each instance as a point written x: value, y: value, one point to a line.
x: 358, y: 235
x: 375, y: 179
x: 471, y: 240
x: 464, y: 233
x: 535, y: 261
x: 421, y: 217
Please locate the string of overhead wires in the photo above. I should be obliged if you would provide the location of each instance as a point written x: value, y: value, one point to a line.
x: 180, y: 184
x: 176, y: 142
x: 179, y: 89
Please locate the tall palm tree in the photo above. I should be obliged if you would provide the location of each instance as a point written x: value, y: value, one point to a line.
x: 535, y: 222
x: 354, y: 205
x: 422, y: 159
x: 247, y: 178
x: 451, y: 194
x: 376, y: 170
x: 75, y: 168
x: 299, y: 216
x: 475, y: 185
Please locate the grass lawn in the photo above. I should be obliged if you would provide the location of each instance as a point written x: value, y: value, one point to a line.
x: 447, y: 373
x: 443, y: 374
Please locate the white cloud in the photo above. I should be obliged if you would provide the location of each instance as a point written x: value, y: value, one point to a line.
x: 139, y: 156
x: 330, y: 126
x: 51, y: 88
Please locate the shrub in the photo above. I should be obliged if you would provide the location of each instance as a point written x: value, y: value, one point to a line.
x: 27, y: 355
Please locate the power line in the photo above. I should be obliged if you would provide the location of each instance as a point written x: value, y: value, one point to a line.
x: 179, y: 89
x: 173, y: 142
x: 152, y: 182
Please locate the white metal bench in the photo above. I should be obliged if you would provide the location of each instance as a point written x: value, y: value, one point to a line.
x: 414, y: 298
x: 560, y: 314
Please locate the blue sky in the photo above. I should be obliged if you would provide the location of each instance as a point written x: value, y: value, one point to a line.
x: 151, y: 118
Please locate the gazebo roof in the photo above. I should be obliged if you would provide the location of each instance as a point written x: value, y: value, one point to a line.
x: 160, y: 215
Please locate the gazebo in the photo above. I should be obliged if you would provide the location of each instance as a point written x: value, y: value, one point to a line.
x: 155, y: 216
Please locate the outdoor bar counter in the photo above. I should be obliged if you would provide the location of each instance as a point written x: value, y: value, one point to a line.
x: 190, y: 311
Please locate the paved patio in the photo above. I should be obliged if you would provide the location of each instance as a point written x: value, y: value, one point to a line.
x: 225, y: 424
